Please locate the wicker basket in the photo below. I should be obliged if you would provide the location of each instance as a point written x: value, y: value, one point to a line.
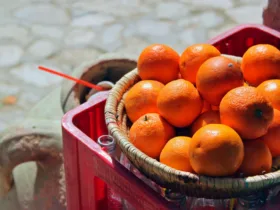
x: 184, y: 182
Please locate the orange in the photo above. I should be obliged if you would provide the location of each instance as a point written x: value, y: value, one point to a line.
x: 9, y: 100
x: 206, y: 106
x: 142, y: 99
x: 192, y: 58
x: 245, y: 84
x: 247, y: 111
x: 271, y: 90
x: 261, y: 62
x: 257, y: 158
x: 216, y: 77
x: 179, y: 103
x: 216, y: 150
x: 158, y: 62
x: 208, y: 117
x: 150, y: 133
x: 272, y: 137
x: 176, y: 154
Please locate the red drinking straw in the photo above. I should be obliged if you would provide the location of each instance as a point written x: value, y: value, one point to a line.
x: 82, y: 82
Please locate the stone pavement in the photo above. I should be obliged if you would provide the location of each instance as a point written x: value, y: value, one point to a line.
x: 61, y: 34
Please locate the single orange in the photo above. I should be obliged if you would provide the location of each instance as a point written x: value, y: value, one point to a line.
x: 142, y: 99
x: 216, y: 77
x: 247, y: 111
x: 150, y: 133
x: 261, y: 62
x: 216, y: 150
x: 271, y: 90
x: 176, y: 153
x: 208, y: 117
x: 192, y: 58
x: 272, y: 137
x: 158, y: 62
x: 179, y: 103
x: 257, y: 158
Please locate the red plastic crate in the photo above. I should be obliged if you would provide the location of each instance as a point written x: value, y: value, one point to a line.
x: 237, y: 40
x: 86, y: 164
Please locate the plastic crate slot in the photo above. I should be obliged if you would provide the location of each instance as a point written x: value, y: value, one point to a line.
x: 275, y: 42
x: 230, y: 47
x: 225, y: 47
x: 125, y: 187
x: 249, y: 42
x: 87, y: 121
x: 100, y: 188
x: 92, y: 131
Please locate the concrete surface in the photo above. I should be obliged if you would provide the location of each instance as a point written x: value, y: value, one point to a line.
x: 63, y: 33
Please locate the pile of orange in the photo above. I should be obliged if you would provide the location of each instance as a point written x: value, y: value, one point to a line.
x: 230, y: 112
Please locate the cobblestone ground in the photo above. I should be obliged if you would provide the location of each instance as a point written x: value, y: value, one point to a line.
x: 63, y: 33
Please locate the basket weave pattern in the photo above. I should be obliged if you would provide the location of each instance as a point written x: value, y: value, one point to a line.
x: 184, y: 182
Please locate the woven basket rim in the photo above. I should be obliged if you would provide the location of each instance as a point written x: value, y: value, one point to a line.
x: 219, y: 183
